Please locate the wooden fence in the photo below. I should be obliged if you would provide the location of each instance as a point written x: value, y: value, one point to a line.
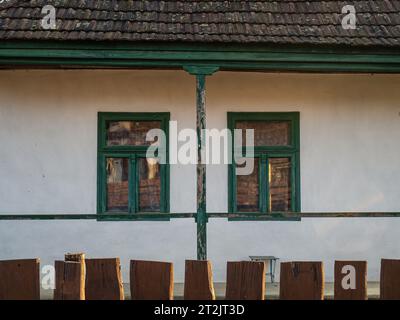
x: 78, y: 278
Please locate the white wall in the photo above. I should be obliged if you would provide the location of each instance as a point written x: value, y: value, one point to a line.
x: 350, y: 132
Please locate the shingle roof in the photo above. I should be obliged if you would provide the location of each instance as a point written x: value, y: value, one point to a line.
x: 280, y: 22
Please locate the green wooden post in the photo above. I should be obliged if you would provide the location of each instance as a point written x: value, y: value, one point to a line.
x: 201, y: 168
x: 201, y: 216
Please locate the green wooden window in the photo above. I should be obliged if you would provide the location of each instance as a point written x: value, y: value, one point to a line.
x: 274, y: 184
x: 128, y: 181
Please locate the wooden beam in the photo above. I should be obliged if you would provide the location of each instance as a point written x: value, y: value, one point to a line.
x: 99, y: 217
x: 201, y: 216
x: 302, y: 281
x: 259, y: 57
x: 151, y: 280
x: 245, y: 281
x: 274, y: 216
x: 351, y: 280
x: 199, y: 283
x: 201, y: 170
x: 20, y: 279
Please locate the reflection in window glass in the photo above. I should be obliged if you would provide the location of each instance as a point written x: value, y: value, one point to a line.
x: 129, y: 133
x: 117, y: 184
x: 247, y: 191
x: 267, y: 133
x: 279, y: 184
x: 149, y: 185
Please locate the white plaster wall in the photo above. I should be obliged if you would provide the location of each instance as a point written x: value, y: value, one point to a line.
x: 350, y: 132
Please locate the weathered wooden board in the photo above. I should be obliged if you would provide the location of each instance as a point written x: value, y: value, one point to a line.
x: 351, y: 280
x: 20, y: 279
x: 70, y: 281
x: 151, y: 280
x: 78, y: 257
x: 198, y: 280
x: 74, y: 257
x: 245, y: 281
x: 302, y: 281
x: 390, y: 279
x: 103, y: 279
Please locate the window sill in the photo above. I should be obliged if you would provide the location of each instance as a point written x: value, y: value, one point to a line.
x: 141, y: 216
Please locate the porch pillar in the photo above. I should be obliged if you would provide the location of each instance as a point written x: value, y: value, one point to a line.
x: 201, y: 217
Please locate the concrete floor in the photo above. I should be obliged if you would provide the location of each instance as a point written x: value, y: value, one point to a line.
x: 272, y: 291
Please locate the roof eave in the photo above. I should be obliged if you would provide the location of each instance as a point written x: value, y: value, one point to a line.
x: 177, y: 55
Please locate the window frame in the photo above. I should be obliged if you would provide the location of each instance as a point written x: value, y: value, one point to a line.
x: 132, y: 153
x: 291, y: 151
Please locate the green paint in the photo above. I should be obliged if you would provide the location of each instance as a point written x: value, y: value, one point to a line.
x: 133, y: 153
x: 201, y: 218
x: 204, y: 56
x: 201, y: 71
x: 201, y: 215
x: 148, y: 216
x: 234, y: 216
x: 262, y: 154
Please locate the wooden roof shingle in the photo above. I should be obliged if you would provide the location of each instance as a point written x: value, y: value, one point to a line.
x: 274, y: 22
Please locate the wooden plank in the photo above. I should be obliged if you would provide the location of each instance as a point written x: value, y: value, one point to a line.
x: 245, y: 281
x: 302, y: 281
x: 78, y: 257
x: 259, y: 57
x: 240, y: 216
x: 70, y: 281
x: 198, y: 280
x: 103, y: 279
x: 74, y: 257
x: 20, y: 279
x: 351, y: 280
x: 390, y: 279
x: 151, y: 280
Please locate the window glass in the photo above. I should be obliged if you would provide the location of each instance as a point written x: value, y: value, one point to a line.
x: 266, y: 133
x: 149, y: 184
x: 129, y: 133
x: 279, y: 184
x: 117, y: 184
x: 247, y: 191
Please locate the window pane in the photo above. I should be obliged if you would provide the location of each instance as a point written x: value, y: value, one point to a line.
x: 247, y: 190
x: 267, y: 133
x: 279, y: 184
x: 129, y: 133
x: 149, y: 185
x: 117, y: 184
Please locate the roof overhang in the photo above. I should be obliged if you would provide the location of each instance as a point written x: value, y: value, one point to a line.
x: 249, y: 57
